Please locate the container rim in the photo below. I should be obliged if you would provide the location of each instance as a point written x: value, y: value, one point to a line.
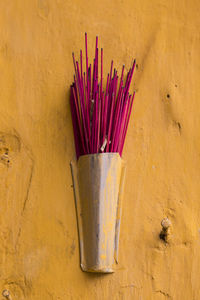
x: 100, y: 154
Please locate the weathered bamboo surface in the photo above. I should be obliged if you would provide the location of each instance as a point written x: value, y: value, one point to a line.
x: 39, y: 254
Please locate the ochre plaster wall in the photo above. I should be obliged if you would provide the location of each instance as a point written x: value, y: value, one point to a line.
x: 39, y: 254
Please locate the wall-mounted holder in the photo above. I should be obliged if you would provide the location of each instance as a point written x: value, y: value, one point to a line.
x: 98, y: 185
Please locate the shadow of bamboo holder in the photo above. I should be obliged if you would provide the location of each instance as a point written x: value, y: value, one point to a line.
x: 98, y: 185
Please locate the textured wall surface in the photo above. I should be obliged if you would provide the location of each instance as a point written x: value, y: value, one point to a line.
x: 39, y: 254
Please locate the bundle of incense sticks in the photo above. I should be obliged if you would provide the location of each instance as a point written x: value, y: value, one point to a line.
x: 100, y: 118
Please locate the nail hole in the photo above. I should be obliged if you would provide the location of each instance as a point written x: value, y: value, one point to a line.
x: 6, y: 294
x: 162, y: 236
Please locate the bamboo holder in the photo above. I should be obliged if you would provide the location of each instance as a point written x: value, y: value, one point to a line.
x: 98, y: 185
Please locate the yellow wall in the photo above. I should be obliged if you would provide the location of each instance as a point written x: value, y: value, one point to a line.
x: 39, y: 255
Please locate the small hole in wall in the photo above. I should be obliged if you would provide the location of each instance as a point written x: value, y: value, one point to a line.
x: 162, y: 236
x: 168, y: 95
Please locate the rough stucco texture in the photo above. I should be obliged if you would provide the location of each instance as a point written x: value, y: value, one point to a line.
x: 39, y: 254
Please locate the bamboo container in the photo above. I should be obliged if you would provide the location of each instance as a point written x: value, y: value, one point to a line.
x: 98, y: 185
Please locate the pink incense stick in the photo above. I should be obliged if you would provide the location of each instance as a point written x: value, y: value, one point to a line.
x: 100, y: 118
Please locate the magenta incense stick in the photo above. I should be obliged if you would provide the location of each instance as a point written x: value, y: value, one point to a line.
x: 100, y: 117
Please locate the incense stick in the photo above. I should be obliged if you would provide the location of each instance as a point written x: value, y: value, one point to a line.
x: 100, y: 118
